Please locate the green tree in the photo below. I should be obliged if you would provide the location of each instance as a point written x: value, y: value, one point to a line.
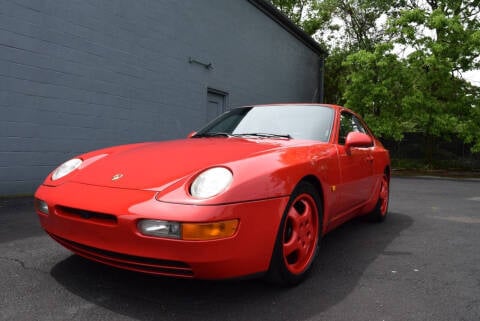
x: 444, y: 40
x: 336, y: 73
x: 343, y: 26
x: 469, y: 125
x: 378, y: 85
x: 340, y: 23
x: 446, y: 29
x: 354, y: 24
x: 400, y: 63
x: 301, y: 12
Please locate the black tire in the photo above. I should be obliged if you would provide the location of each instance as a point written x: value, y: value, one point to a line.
x: 298, y: 237
x: 380, y: 211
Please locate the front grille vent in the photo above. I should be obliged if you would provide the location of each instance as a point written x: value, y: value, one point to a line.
x: 96, y: 217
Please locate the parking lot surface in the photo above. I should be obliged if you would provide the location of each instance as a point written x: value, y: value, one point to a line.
x: 422, y: 263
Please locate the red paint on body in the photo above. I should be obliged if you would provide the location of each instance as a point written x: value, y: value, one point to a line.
x: 96, y: 217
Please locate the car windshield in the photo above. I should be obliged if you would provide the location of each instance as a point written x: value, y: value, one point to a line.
x: 280, y: 121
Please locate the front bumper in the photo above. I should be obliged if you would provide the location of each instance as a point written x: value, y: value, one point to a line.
x: 100, y: 223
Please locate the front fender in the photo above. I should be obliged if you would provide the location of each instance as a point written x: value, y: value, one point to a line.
x: 264, y: 176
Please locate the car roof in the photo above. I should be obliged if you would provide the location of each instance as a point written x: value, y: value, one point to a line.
x: 333, y: 106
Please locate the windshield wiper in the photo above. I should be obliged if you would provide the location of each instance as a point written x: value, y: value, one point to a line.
x: 265, y: 135
x: 214, y: 134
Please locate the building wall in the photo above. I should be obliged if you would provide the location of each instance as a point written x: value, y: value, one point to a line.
x: 83, y: 74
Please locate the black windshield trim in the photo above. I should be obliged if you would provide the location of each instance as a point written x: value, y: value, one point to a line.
x: 264, y: 135
x: 215, y: 134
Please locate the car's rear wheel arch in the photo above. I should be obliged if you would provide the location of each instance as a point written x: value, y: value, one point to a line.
x: 387, y: 172
x: 380, y: 211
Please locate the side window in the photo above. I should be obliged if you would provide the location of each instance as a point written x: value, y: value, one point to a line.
x: 345, y: 127
x: 357, y: 125
x: 349, y: 123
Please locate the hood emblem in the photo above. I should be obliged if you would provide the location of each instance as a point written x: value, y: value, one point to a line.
x: 117, y: 176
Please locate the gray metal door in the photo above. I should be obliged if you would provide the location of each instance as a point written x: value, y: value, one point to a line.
x: 216, y: 101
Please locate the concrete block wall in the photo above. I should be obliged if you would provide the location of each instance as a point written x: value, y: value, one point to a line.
x: 84, y: 74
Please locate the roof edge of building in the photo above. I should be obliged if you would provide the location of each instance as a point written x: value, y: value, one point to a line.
x: 276, y: 15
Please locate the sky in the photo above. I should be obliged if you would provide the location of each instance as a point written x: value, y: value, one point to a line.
x: 473, y: 77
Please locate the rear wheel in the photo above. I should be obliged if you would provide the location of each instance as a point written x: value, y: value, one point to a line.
x: 298, y: 237
x: 380, y: 211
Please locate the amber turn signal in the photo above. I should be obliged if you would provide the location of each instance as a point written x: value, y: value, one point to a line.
x: 209, y: 231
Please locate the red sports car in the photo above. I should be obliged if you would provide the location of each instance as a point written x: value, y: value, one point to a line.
x: 252, y: 193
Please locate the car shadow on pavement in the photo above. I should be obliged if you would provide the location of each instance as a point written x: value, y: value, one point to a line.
x: 345, y: 255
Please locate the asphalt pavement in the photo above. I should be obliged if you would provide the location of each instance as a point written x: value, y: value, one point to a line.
x: 422, y: 263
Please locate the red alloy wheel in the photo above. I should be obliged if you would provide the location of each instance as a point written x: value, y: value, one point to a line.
x: 384, y: 190
x: 300, y: 234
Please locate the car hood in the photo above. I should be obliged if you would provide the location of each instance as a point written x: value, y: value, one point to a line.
x: 157, y: 165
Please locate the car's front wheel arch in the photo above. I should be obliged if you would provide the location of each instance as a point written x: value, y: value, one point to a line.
x: 298, y: 237
x: 317, y: 184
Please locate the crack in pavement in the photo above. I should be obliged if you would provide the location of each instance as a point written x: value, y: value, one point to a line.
x: 22, y: 264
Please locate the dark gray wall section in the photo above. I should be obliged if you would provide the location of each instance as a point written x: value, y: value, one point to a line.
x: 80, y: 75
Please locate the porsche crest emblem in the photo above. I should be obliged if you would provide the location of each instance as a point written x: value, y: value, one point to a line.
x: 117, y: 177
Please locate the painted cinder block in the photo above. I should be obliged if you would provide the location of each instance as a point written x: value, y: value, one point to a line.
x: 82, y: 75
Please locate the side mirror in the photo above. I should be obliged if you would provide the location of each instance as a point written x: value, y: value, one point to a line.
x: 191, y: 134
x: 357, y: 139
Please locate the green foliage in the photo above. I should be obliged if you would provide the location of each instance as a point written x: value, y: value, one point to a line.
x: 469, y: 125
x: 335, y: 81
x: 444, y: 39
x: 399, y: 63
x: 301, y: 12
x: 377, y: 85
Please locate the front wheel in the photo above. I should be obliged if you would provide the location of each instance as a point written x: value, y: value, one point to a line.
x: 298, y: 236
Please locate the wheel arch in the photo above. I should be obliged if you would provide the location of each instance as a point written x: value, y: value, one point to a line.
x: 387, y: 172
x: 315, y: 182
x: 319, y: 187
x: 281, y: 270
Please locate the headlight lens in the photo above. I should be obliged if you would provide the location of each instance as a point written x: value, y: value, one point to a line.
x: 211, y: 182
x: 66, y: 168
x: 159, y: 228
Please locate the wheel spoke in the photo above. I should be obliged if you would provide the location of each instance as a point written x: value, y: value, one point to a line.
x: 300, y: 233
x: 294, y: 217
x: 384, y: 192
x: 306, y: 216
x: 290, y: 245
x: 309, y: 232
x: 384, y: 196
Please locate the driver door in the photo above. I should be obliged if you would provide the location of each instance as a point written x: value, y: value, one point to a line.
x: 356, y: 166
